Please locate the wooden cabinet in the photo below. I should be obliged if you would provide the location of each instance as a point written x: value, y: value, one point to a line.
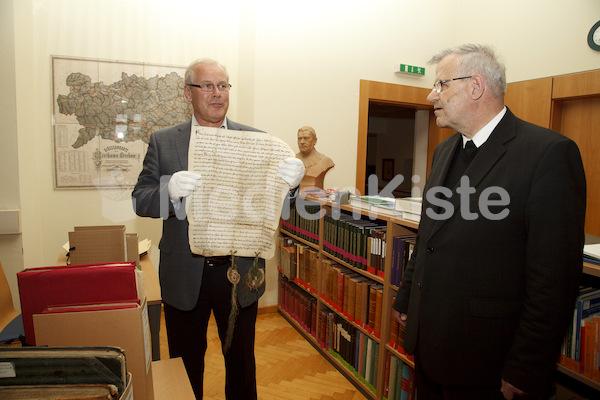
x: 569, y: 104
x: 313, y: 235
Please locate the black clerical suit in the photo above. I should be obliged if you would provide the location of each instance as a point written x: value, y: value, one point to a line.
x: 491, y: 298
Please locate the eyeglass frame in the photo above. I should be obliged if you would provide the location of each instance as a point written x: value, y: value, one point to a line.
x: 437, y: 85
x: 225, y: 86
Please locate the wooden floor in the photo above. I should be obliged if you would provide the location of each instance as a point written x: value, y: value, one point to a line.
x: 288, y: 367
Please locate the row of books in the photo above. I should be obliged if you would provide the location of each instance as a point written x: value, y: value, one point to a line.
x: 299, y: 262
x: 396, y: 337
x: 287, y: 256
x: 359, y: 242
x: 357, y: 297
x: 346, y: 291
x: 581, y: 347
x: 399, y: 379
x: 300, y: 305
x: 356, y: 350
x: 301, y: 222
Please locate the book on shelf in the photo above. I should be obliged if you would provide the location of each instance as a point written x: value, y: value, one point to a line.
x: 396, y: 335
x: 308, y: 266
x: 385, y: 210
x: 411, y: 205
x: 393, y: 336
x: 361, y: 317
x: 287, y: 256
x: 378, y: 308
x: 401, y: 381
x: 375, y: 306
x: 411, y: 216
x: 580, y: 351
x: 402, y: 247
x: 365, y: 202
x: 378, y: 251
x: 592, y: 251
x: 390, y: 384
x: 304, y: 228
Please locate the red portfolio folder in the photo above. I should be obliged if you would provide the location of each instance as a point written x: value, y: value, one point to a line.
x: 73, y: 284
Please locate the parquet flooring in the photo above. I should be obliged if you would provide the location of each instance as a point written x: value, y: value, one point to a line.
x: 288, y: 367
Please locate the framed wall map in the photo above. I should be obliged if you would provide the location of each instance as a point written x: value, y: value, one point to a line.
x: 103, y: 114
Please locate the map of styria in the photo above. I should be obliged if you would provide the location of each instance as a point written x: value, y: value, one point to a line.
x: 104, y: 113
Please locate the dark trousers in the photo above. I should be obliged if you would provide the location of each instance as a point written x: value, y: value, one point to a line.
x: 428, y: 389
x: 186, y: 331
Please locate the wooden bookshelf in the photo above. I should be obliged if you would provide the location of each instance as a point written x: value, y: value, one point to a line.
x: 591, y: 269
x: 394, y: 227
x: 579, y: 377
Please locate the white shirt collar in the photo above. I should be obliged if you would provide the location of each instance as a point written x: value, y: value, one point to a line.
x: 195, y: 122
x: 484, y: 133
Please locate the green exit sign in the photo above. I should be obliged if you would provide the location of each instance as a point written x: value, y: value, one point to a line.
x: 411, y: 69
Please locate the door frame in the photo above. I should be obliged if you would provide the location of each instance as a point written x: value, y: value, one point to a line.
x: 401, y: 95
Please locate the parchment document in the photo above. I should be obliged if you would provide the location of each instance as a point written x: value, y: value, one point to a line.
x: 238, y: 204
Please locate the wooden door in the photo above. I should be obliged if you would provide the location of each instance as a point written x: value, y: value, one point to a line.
x: 580, y: 121
x: 388, y: 93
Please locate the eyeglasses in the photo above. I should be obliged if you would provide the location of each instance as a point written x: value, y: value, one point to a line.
x: 438, y: 84
x: 209, y: 87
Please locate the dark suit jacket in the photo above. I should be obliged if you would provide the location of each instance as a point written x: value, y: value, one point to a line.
x: 484, y: 296
x: 180, y: 271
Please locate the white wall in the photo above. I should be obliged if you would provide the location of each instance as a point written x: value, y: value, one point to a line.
x: 11, y: 255
x: 291, y: 64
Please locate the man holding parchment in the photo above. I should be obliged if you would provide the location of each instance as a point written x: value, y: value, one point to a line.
x: 193, y: 285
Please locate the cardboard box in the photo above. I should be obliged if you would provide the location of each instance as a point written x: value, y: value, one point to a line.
x: 96, y: 244
x: 127, y: 328
x: 75, y: 284
x: 133, y: 250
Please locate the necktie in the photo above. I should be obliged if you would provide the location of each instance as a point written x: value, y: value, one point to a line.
x: 469, y: 151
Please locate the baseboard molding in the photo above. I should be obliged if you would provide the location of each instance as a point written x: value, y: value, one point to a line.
x: 267, y: 309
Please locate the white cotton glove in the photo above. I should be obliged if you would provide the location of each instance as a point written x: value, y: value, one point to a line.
x: 182, y: 184
x: 291, y: 170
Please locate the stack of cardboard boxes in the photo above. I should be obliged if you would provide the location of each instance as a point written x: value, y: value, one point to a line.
x: 97, y: 300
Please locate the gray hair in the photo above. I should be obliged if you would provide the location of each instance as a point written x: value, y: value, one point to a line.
x: 478, y: 59
x: 191, y: 69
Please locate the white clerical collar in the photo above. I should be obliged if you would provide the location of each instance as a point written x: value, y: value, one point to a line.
x: 484, y: 133
x: 195, y: 122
